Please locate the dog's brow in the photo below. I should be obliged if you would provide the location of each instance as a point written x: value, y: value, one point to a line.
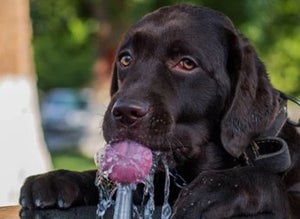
x: 140, y: 42
x: 179, y: 47
x: 125, y: 45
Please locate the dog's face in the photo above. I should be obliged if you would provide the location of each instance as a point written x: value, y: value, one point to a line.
x: 175, y: 84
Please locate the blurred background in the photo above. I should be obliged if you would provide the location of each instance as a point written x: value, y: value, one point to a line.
x: 55, y: 68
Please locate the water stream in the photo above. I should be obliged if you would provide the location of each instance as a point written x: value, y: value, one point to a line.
x: 166, y: 210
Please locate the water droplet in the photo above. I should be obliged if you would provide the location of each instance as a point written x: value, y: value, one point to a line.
x: 60, y: 203
x: 109, y: 159
x: 38, y: 202
x: 23, y: 202
x: 179, y: 180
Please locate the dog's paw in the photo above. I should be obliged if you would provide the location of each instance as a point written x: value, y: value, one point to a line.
x: 58, y: 189
x: 231, y: 193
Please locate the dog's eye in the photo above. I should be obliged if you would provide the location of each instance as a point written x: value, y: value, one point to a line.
x: 186, y: 64
x: 125, y: 60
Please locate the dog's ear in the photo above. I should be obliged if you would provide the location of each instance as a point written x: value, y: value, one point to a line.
x: 254, y: 102
x: 114, y: 82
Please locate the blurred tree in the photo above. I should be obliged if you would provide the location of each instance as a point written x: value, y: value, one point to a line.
x: 275, y: 30
x: 23, y: 150
x: 64, y: 42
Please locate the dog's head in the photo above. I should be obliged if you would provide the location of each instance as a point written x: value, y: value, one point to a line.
x: 185, y: 81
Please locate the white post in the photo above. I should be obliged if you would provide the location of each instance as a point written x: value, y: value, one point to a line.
x: 22, y: 147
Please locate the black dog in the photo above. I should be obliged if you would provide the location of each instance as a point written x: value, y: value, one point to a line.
x: 186, y: 83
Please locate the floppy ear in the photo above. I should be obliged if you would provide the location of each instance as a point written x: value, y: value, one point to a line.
x: 254, y: 104
x: 114, y: 82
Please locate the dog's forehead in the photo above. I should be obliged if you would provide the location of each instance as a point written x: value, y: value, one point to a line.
x: 156, y: 23
x: 181, y: 21
x: 182, y: 15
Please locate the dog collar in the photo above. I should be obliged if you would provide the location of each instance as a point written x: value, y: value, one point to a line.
x: 270, y: 153
x: 268, y: 150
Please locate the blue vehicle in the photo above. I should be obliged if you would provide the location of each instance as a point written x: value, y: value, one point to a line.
x: 64, y: 116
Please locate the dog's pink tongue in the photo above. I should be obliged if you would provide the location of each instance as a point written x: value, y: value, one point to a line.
x: 127, y: 162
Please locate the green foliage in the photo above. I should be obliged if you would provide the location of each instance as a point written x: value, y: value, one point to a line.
x: 274, y: 28
x: 64, y: 43
x: 72, y: 160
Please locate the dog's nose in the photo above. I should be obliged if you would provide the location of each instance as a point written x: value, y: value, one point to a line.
x: 128, y: 111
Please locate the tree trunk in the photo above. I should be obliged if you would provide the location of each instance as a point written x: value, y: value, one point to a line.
x: 22, y: 147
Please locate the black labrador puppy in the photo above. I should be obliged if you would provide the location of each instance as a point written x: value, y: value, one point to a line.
x: 186, y: 83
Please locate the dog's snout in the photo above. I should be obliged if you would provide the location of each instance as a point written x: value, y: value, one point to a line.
x: 129, y: 111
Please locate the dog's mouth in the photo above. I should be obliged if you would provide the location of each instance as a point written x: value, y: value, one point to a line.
x: 125, y: 162
x: 155, y: 142
x: 162, y: 141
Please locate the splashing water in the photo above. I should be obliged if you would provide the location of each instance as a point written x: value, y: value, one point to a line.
x: 107, y: 189
x: 149, y: 208
x: 146, y: 211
